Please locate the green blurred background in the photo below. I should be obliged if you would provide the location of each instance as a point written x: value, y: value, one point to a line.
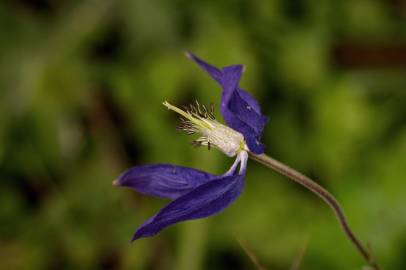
x: 81, y: 87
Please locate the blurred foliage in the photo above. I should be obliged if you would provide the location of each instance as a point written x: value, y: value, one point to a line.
x: 81, y: 85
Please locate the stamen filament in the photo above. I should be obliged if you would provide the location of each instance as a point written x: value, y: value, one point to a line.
x: 194, y: 118
x: 197, y: 118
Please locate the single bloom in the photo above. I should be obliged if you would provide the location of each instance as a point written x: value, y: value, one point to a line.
x: 193, y: 193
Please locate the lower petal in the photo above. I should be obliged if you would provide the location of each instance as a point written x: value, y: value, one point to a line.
x: 205, y: 200
x: 163, y: 180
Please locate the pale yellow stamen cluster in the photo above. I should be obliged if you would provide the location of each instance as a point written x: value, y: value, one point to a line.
x: 226, y: 139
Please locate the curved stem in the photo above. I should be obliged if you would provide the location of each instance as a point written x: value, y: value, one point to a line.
x: 323, y: 194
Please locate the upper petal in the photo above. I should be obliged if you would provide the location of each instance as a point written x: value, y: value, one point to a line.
x: 239, y: 109
x: 214, y: 72
x: 249, y: 111
x: 250, y: 100
x: 163, y: 180
x: 241, y: 104
x: 205, y: 200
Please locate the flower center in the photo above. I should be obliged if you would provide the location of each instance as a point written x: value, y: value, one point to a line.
x: 199, y: 119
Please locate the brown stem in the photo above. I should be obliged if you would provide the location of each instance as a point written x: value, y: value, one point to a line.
x: 323, y: 194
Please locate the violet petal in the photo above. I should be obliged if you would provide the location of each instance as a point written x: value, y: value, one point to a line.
x: 205, y: 200
x: 214, y: 72
x: 163, y: 180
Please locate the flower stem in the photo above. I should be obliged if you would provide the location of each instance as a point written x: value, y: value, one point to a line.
x: 323, y: 194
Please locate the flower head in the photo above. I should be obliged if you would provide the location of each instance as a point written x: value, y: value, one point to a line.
x: 239, y: 109
x: 197, y: 194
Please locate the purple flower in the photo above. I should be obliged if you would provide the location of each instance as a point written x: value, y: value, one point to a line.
x: 197, y: 194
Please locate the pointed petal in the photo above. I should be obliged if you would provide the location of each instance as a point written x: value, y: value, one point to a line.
x: 214, y: 72
x: 239, y: 109
x: 205, y: 200
x: 250, y: 100
x: 163, y: 180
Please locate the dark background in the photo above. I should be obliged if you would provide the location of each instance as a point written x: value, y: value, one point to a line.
x: 81, y: 87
